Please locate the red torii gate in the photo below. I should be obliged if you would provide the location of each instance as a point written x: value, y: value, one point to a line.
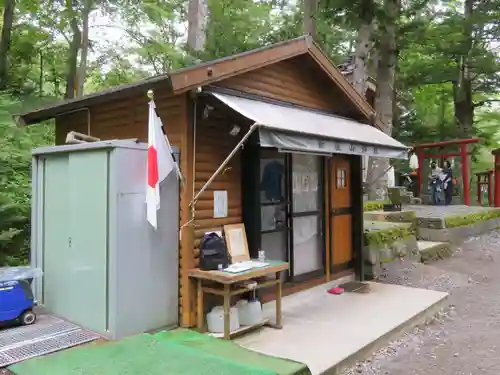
x: 463, y: 143
x: 496, y: 153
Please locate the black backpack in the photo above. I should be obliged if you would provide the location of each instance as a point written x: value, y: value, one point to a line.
x: 213, y: 251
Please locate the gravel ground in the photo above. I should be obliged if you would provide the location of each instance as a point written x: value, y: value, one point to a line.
x: 464, y: 339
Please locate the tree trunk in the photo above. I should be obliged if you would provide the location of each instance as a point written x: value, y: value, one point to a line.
x: 364, y: 44
x: 72, y: 61
x: 40, y: 77
x: 386, y: 68
x: 310, y: 10
x: 462, y: 90
x: 197, y: 17
x: 82, y: 70
x: 464, y: 108
x: 363, y: 47
x: 8, y: 21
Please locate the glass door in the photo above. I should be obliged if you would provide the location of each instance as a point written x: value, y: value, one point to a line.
x: 307, y: 215
x: 274, y: 203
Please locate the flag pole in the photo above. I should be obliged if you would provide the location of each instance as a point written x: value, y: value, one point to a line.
x: 151, y: 94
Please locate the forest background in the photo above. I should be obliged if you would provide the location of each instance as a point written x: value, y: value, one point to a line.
x: 436, y: 65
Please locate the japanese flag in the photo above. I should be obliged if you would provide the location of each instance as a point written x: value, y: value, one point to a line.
x: 160, y: 163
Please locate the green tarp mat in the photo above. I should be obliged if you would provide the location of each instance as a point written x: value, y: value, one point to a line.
x: 178, y: 352
x: 231, y: 350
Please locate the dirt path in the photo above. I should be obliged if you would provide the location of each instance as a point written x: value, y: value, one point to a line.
x: 465, y: 340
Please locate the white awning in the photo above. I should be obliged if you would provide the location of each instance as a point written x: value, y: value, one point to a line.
x: 294, y: 129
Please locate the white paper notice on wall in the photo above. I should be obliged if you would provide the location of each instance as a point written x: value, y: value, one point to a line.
x: 220, y: 203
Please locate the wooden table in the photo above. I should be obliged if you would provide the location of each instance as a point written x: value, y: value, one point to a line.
x: 227, y: 290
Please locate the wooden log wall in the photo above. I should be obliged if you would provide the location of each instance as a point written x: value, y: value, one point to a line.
x: 213, y: 145
x: 299, y: 81
x: 126, y: 118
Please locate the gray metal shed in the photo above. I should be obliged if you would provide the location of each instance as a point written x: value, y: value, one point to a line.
x: 105, y: 268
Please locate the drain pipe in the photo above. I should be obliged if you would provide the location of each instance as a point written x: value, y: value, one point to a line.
x: 224, y: 163
x: 195, y: 121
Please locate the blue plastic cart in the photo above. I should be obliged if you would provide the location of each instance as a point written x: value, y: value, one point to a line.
x: 16, y: 297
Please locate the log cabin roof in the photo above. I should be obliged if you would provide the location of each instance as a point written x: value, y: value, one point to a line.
x: 182, y: 80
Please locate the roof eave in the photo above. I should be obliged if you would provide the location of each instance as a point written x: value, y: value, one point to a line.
x: 337, y: 76
x: 182, y: 80
x: 212, y: 72
x: 66, y: 106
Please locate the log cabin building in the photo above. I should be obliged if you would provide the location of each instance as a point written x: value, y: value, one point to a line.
x: 296, y: 131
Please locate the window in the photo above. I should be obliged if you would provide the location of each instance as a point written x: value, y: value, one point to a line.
x: 341, y: 178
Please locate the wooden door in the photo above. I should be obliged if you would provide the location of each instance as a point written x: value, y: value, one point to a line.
x: 340, y: 212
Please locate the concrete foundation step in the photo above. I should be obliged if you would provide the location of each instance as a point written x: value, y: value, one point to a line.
x: 433, y: 250
x: 405, y: 216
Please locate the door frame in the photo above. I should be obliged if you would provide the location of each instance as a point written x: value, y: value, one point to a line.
x: 320, y: 214
x: 251, y: 206
x: 357, y: 215
x: 356, y: 209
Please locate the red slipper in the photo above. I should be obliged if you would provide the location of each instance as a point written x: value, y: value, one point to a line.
x: 336, y: 290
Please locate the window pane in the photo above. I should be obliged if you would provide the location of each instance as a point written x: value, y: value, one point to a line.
x: 307, y: 254
x: 272, y: 217
x: 272, y: 186
x: 341, y: 178
x: 274, y: 246
x: 305, y: 179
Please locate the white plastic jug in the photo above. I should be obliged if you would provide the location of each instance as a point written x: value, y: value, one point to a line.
x: 215, y: 319
x: 250, y: 312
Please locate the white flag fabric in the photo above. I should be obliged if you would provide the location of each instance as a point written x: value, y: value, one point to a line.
x: 391, y: 178
x: 413, y: 161
x: 160, y: 164
x: 364, y: 163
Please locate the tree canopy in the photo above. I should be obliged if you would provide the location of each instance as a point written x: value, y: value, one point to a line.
x: 436, y: 64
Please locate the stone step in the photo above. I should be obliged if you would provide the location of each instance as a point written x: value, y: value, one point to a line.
x: 385, y: 241
x: 433, y: 250
x: 393, y: 217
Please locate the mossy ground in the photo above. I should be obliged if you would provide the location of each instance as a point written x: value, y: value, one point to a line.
x: 455, y: 221
x: 374, y: 205
x: 379, y: 234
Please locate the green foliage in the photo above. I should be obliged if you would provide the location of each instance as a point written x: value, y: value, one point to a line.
x: 432, y: 44
x: 472, y: 218
x: 15, y: 162
x: 374, y: 205
x: 380, y: 238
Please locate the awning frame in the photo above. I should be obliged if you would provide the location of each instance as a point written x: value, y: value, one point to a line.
x: 335, y: 149
x: 240, y: 144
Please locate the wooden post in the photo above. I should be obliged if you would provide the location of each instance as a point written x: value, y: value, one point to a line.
x: 186, y: 255
x: 490, y: 188
x: 478, y: 183
x: 278, y: 301
x: 465, y: 173
x: 420, y: 156
x: 200, y: 307
x: 497, y: 177
x: 227, y: 311
x: 328, y: 247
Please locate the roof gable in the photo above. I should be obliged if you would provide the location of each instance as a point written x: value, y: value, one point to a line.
x: 211, y: 72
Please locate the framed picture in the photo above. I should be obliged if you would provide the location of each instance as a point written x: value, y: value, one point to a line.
x: 236, y: 240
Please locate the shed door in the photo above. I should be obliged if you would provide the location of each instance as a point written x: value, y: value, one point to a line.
x: 57, y: 276
x: 75, y: 239
x: 341, y: 212
x: 88, y: 247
